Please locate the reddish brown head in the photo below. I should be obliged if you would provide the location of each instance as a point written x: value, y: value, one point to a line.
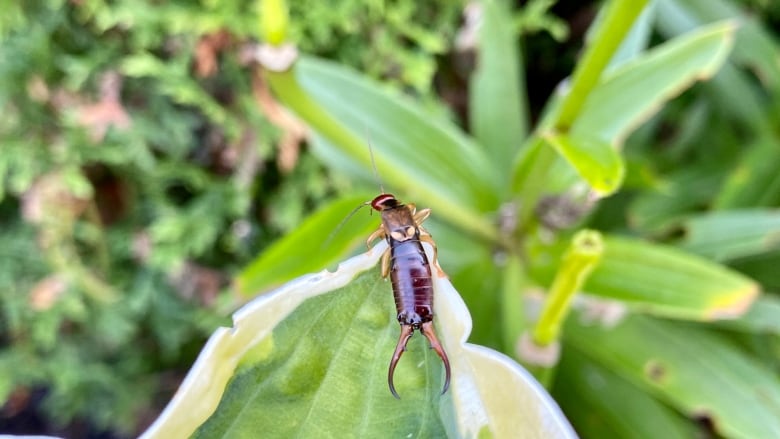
x: 384, y: 202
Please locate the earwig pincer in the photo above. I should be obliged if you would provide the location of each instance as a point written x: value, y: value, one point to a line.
x: 410, y: 272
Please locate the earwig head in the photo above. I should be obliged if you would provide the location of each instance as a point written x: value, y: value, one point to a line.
x: 384, y: 202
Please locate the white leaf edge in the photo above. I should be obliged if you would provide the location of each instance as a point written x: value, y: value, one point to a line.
x: 489, y: 389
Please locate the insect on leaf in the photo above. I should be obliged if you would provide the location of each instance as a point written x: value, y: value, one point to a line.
x: 310, y: 360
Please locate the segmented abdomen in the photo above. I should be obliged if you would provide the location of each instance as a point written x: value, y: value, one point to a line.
x: 410, y: 274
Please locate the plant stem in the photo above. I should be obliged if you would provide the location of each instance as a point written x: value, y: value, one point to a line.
x: 580, y: 259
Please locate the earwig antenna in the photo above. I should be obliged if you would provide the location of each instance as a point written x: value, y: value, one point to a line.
x: 373, y: 162
x: 361, y: 205
x: 341, y: 224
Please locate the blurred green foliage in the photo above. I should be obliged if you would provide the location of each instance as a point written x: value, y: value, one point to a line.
x: 140, y: 167
x: 138, y: 171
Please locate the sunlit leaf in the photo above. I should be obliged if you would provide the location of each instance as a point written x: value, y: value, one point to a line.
x: 426, y: 158
x: 660, y: 280
x: 596, y: 161
x: 636, y: 90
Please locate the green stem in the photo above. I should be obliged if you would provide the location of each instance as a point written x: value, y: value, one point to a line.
x: 512, y: 309
x: 617, y: 21
x: 579, y: 261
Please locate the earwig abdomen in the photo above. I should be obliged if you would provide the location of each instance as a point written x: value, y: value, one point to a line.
x: 412, y: 286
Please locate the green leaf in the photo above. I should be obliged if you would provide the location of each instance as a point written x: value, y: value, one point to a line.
x: 730, y: 235
x: 633, y: 92
x: 659, y: 280
x: 311, y: 360
x: 762, y: 318
x: 427, y: 159
x: 754, y: 181
x: 497, y: 111
x: 587, y: 392
x: 695, y: 371
x: 755, y: 45
x: 315, y: 244
x: 677, y: 196
x: 596, y: 161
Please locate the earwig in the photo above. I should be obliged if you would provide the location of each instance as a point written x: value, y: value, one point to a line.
x: 410, y: 272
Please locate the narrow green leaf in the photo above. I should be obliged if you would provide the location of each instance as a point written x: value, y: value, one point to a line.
x: 635, y: 91
x: 588, y: 392
x: 693, y: 370
x: 762, y: 268
x: 596, y: 161
x: 677, y: 196
x: 754, y: 181
x: 755, y: 45
x: 730, y: 235
x: 762, y: 318
x: 310, y: 360
x: 314, y: 245
x: 498, y: 116
x: 670, y: 282
x: 660, y: 280
x: 427, y: 159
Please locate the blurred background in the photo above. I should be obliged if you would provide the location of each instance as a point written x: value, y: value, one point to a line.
x: 142, y: 166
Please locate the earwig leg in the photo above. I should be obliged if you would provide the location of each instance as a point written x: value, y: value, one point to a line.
x: 406, y: 334
x: 421, y: 216
x: 385, y: 263
x: 426, y: 237
x: 430, y: 334
x: 378, y: 233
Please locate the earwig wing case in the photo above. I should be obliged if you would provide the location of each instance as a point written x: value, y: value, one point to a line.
x: 310, y: 360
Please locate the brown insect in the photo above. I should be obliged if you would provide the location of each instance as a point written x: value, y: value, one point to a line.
x: 410, y: 272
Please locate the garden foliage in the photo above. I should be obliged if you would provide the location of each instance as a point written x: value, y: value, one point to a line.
x: 147, y: 158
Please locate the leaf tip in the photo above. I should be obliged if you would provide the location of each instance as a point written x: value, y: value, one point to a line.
x: 734, y: 305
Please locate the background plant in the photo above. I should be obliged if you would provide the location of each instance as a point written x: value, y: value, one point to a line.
x: 145, y: 176
x: 137, y: 172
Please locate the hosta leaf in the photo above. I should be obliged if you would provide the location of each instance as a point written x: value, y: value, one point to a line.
x: 310, y: 360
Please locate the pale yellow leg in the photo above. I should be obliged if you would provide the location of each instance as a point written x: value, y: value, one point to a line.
x: 426, y: 237
x: 385, y: 263
x: 421, y: 216
x: 379, y: 233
